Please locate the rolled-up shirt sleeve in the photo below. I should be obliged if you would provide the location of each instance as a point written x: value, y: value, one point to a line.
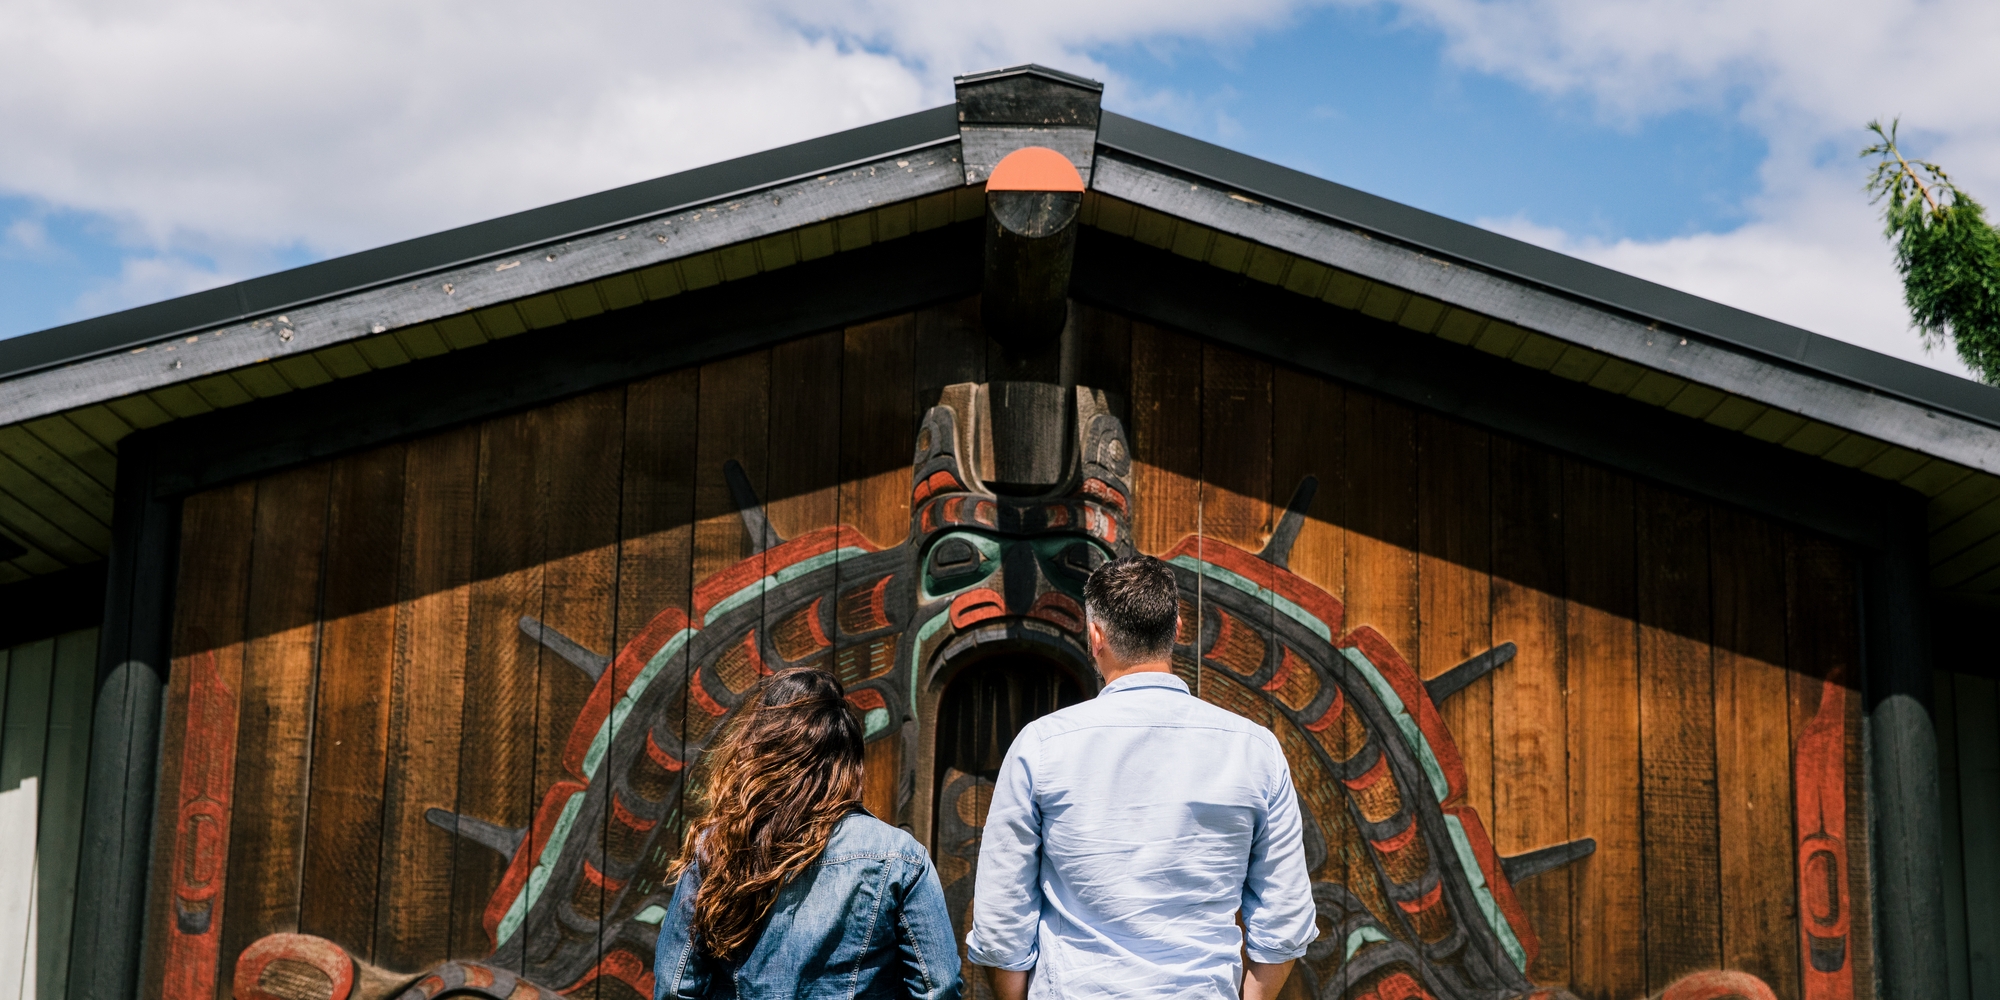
x: 1006, y: 890
x: 1278, y: 909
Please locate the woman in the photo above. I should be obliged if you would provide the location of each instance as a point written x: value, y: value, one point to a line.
x: 787, y: 887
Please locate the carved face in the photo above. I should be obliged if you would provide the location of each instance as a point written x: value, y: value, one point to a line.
x: 1002, y: 569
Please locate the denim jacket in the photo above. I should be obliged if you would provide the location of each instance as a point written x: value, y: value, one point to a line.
x: 867, y: 920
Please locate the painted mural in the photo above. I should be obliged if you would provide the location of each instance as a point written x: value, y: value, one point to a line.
x: 1414, y: 900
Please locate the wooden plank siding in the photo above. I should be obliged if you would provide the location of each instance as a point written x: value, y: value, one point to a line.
x: 1671, y: 653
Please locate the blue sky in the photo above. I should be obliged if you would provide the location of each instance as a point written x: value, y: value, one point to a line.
x: 1706, y: 144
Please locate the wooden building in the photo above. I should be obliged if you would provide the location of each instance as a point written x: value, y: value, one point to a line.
x: 366, y: 621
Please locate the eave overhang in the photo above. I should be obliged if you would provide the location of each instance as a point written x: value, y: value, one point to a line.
x: 71, y: 392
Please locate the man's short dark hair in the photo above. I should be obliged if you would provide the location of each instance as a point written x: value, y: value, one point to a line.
x: 1138, y: 603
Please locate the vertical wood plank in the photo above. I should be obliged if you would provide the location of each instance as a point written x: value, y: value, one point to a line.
x: 582, y: 458
x: 413, y: 919
x: 24, y: 729
x: 1381, y: 506
x: 274, y: 731
x: 496, y: 764
x: 1823, y: 650
x: 735, y: 423
x: 950, y: 348
x: 1455, y: 538
x: 1531, y: 719
x: 350, y: 728
x: 1677, y: 738
x: 656, y: 518
x: 878, y: 426
x: 1104, y: 354
x: 1607, y: 938
x: 1310, y: 439
x: 877, y: 438
x: 1235, y: 448
x: 1166, y: 437
x: 1752, y: 750
x: 1978, y: 718
x: 59, y: 841
x: 805, y: 434
x: 185, y: 962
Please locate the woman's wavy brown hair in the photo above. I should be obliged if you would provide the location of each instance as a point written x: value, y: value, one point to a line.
x: 786, y: 770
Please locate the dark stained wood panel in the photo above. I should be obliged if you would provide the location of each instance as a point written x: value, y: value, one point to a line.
x: 1672, y: 656
x: 1677, y: 739
x: 427, y: 696
x: 1531, y: 808
x: 274, y: 734
x: 1607, y: 937
x: 351, y: 726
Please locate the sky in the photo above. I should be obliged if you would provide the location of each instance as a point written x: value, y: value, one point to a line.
x: 157, y: 148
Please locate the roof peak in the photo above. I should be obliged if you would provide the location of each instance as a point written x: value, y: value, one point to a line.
x: 1029, y: 69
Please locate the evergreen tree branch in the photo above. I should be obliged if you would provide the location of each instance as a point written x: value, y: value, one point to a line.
x: 1947, y: 253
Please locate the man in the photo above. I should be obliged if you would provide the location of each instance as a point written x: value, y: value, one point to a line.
x: 1129, y: 834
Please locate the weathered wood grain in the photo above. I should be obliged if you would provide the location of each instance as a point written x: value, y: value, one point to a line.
x: 1103, y: 354
x: 1752, y: 750
x: 878, y: 422
x: 1166, y: 437
x: 1951, y: 836
x: 950, y: 348
x: 1455, y: 540
x: 1309, y: 422
x: 496, y: 761
x: 582, y: 457
x: 1531, y: 711
x: 274, y: 731
x: 1381, y: 502
x: 1607, y: 936
x: 1977, y: 718
x: 350, y: 727
x: 1677, y: 738
x: 427, y: 692
x: 210, y: 598
x: 1236, y: 483
x: 805, y: 434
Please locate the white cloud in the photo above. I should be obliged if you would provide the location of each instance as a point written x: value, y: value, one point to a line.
x: 1804, y: 75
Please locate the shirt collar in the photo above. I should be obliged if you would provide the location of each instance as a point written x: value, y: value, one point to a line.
x: 1146, y: 679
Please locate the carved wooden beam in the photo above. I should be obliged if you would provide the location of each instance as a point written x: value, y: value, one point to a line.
x: 1032, y: 201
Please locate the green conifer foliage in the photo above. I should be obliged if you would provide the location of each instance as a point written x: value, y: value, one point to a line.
x: 1947, y: 252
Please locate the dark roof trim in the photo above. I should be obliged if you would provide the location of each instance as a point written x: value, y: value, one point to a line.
x: 1556, y: 272
x: 397, y: 262
x: 1030, y: 69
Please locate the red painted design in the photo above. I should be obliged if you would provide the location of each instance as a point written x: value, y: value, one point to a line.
x: 939, y: 482
x: 1104, y: 491
x: 597, y: 878
x: 303, y: 949
x: 726, y: 583
x: 1496, y: 880
x: 976, y: 606
x: 1332, y: 712
x: 1370, y: 776
x: 1719, y: 984
x: 621, y: 965
x: 1423, y: 902
x: 1285, y: 584
x: 624, y: 816
x: 1821, y: 796
x: 516, y: 876
x: 661, y: 757
x: 986, y: 512
x: 1059, y: 610
x: 699, y: 693
x: 611, y: 685
x: 201, y: 831
x: 1397, y: 986
x: 1417, y: 701
x: 866, y: 700
x: 1399, y: 841
x: 1055, y: 516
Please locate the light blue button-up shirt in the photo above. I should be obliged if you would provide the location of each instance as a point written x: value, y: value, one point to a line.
x: 1125, y: 836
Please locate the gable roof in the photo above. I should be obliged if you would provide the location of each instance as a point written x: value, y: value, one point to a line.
x: 72, y: 392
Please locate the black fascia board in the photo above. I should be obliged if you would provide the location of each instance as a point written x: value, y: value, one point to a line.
x: 408, y: 259
x: 1559, y: 273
